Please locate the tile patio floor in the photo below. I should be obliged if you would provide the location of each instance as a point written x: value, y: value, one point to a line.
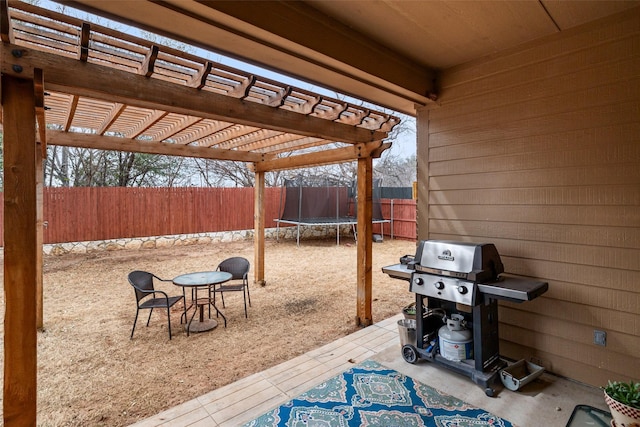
x: 548, y: 401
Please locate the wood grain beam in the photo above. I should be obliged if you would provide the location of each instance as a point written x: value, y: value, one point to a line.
x: 228, y: 133
x: 256, y: 139
x: 333, y: 113
x: 71, y: 112
x: 277, y: 100
x: 146, y: 68
x: 6, y: 31
x: 258, y: 227
x: 242, y: 90
x: 117, y: 110
x: 85, y: 33
x: 145, y: 124
x: 38, y: 85
x: 318, y: 158
x: 299, y: 143
x: 186, y: 122
x: 21, y: 249
x: 92, y: 80
x: 309, y: 106
x: 101, y: 142
x: 206, y: 135
x: 364, y: 243
x: 199, y: 80
x: 263, y: 140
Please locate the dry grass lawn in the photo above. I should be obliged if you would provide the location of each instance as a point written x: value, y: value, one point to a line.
x: 91, y: 374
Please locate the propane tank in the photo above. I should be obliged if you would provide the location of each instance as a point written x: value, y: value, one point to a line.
x: 455, y: 340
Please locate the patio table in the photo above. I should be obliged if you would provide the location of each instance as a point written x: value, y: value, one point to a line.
x: 200, y: 281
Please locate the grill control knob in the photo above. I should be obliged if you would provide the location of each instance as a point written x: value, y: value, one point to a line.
x: 439, y: 285
x: 419, y: 281
x: 463, y: 289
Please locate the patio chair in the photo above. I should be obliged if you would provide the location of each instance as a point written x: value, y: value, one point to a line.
x: 239, y: 269
x: 148, y: 298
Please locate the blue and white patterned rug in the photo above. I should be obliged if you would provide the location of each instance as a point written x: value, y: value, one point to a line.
x: 369, y: 395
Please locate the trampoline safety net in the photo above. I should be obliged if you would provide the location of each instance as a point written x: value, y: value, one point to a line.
x: 320, y: 201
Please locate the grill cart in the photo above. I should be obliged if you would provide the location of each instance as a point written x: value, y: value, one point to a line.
x: 457, y: 286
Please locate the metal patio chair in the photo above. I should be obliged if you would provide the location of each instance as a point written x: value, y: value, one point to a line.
x: 239, y: 269
x: 148, y: 298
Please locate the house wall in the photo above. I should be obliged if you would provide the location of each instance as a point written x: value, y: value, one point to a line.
x: 538, y: 151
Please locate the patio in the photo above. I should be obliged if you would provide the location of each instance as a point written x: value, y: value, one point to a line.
x: 530, y: 143
x: 548, y: 401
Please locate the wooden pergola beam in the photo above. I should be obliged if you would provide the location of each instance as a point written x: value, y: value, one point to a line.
x: 22, y: 252
x: 102, y: 142
x: 319, y: 158
x: 71, y: 76
x: 6, y: 30
x: 38, y: 84
x: 364, y: 316
x: 258, y: 228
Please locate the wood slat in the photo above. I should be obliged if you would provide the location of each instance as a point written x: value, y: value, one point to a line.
x: 623, y: 322
x: 524, y: 105
x: 596, y: 235
x: 590, y: 174
x: 596, y: 117
x: 102, y: 142
x: 576, y: 73
x: 167, y: 74
x: 573, y: 148
x: 295, y: 143
x: 6, y: 25
x: 600, y: 195
x: 612, y: 216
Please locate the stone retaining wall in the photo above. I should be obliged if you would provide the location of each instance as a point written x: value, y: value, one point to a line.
x: 286, y: 233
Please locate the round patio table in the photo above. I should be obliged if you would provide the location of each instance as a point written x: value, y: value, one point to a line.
x: 201, y: 280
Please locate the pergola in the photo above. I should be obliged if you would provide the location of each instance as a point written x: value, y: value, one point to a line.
x: 71, y: 83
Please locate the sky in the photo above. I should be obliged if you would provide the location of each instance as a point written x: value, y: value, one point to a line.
x: 404, y: 146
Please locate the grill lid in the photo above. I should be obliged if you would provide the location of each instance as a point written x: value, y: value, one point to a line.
x: 476, y: 262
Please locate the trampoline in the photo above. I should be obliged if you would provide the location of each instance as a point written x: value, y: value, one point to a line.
x: 310, y: 202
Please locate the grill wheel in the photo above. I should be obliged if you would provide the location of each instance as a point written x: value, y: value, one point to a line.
x: 409, y: 353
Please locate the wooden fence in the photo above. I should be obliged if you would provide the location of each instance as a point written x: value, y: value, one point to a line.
x: 90, y: 213
x: 402, y: 213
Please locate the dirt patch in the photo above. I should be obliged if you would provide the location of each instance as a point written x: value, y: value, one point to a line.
x: 91, y: 374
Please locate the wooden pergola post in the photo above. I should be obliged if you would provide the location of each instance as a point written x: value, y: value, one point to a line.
x: 365, y: 238
x: 258, y: 229
x: 22, y: 251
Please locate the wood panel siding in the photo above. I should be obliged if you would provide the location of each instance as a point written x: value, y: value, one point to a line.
x: 538, y: 151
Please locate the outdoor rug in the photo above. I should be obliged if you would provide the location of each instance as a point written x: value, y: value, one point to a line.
x: 369, y: 395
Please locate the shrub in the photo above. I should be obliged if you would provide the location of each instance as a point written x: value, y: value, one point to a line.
x: 626, y: 393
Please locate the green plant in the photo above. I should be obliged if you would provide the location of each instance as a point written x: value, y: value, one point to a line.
x: 626, y: 393
x: 410, y: 309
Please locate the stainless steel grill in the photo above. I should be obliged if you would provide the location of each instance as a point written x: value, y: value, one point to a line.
x: 465, y: 281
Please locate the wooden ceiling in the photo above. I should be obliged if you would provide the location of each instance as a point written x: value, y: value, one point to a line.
x: 386, y: 51
x: 109, y: 90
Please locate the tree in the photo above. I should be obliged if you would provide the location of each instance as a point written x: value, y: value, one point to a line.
x: 396, y: 171
x: 83, y: 167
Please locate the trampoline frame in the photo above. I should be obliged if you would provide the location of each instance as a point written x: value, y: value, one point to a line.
x: 352, y: 222
x: 336, y: 221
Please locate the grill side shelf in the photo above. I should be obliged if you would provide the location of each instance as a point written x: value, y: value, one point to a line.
x: 516, y: 289
x: 398, y: 271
